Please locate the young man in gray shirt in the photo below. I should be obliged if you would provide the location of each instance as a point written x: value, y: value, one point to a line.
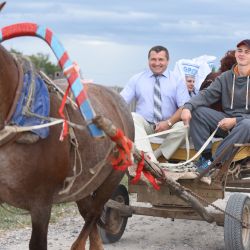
x: 232, y: 88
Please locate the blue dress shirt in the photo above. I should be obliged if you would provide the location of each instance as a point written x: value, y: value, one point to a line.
x: 140, y: 87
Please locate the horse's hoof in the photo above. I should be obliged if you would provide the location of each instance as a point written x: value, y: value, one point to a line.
x: 27, y: 138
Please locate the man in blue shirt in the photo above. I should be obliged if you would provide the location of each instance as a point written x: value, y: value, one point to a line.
x: 173, y: 94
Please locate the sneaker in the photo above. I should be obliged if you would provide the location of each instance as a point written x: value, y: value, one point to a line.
x: 202, y: 164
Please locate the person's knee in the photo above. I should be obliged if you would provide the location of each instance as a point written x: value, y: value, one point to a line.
x: 137, y: 118
x: 244, y: 125
x: 182, y: 130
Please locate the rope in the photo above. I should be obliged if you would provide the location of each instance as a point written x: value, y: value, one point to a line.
x: 195, y: 156
x: 56, y: 87
x: 16, y: 129
x: 69, y: 181
x: 169, y: 131
x: 169, y: 165
x: 99, y: 165
x: 162, y: 133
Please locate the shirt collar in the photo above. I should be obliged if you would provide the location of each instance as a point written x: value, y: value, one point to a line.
x: 165, y: 73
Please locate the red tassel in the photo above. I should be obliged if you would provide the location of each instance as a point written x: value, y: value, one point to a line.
x: 151, y: 179
x: 139, y: 170
x: 123, y: 160
x: 65, y: 127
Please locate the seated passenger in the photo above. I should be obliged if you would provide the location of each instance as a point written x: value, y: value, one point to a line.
x: 232, y: 87
x: 193, y: 71
x: 159, y: 96
x: 190, y: 82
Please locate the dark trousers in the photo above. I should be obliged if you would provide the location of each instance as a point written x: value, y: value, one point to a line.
x: 205, y: 120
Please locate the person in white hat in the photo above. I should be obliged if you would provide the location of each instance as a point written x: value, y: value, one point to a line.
x: 188, y: 69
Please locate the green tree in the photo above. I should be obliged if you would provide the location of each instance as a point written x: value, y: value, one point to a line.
x: 41, y: 62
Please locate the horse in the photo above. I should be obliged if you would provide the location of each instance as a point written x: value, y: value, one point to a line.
x: 32, y: 176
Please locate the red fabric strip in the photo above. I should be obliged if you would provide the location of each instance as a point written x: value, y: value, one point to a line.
x: 63, y: 59
x: 48, y: 36
x: 139, y: 169
x: 82, y: 97
x: 73, y: 76
x: 151, y: 179
x: 20, y: 29
x: 65, y: 129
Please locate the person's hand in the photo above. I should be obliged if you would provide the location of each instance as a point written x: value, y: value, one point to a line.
x: 227, y: 123
x: 161, y: 126
x: 186, y: 116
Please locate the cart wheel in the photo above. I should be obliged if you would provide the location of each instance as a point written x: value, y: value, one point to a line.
x: 237, y: 237
x: 114, y: 221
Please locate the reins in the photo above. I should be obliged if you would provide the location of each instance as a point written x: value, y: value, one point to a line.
x: 169, y: 165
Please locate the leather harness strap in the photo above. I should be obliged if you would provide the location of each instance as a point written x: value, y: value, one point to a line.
x: 18, y: 91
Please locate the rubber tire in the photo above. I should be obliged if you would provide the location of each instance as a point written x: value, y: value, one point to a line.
x: 121, y: 195
x: 235, y: 236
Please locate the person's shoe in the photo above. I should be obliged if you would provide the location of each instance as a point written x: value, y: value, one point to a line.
x: 202, y: 164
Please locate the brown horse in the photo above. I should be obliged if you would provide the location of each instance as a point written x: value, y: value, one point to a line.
x: 32, y: 175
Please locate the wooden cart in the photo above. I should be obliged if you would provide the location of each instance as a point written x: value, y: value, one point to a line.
x: 189, y: 199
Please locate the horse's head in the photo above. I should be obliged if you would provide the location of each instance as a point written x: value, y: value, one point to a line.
x: 2, y: 5
x: 9, y: 80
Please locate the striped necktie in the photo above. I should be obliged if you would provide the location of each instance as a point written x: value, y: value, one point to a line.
x: 157, y: 100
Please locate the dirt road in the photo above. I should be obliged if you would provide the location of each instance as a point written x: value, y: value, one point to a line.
x: 142, y: 232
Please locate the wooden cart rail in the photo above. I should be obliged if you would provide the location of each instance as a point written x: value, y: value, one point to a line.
x: 164, y: 212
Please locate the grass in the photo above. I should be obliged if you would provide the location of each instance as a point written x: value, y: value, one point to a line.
x: 14, y: 218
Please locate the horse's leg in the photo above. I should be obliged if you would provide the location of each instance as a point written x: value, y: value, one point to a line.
x: 95, y: 239
x: 40, y: 216
x: 90, y: 215
x: 81, y: 240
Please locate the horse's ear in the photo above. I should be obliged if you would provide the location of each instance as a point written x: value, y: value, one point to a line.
x: 2, y: 5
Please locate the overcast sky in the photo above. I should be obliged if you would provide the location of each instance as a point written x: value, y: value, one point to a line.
x: 110, y: 38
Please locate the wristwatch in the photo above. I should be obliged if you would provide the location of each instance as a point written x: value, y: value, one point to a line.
x: 169, y: 123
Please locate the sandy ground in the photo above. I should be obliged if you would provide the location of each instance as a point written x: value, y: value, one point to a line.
x: 142, y: 232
